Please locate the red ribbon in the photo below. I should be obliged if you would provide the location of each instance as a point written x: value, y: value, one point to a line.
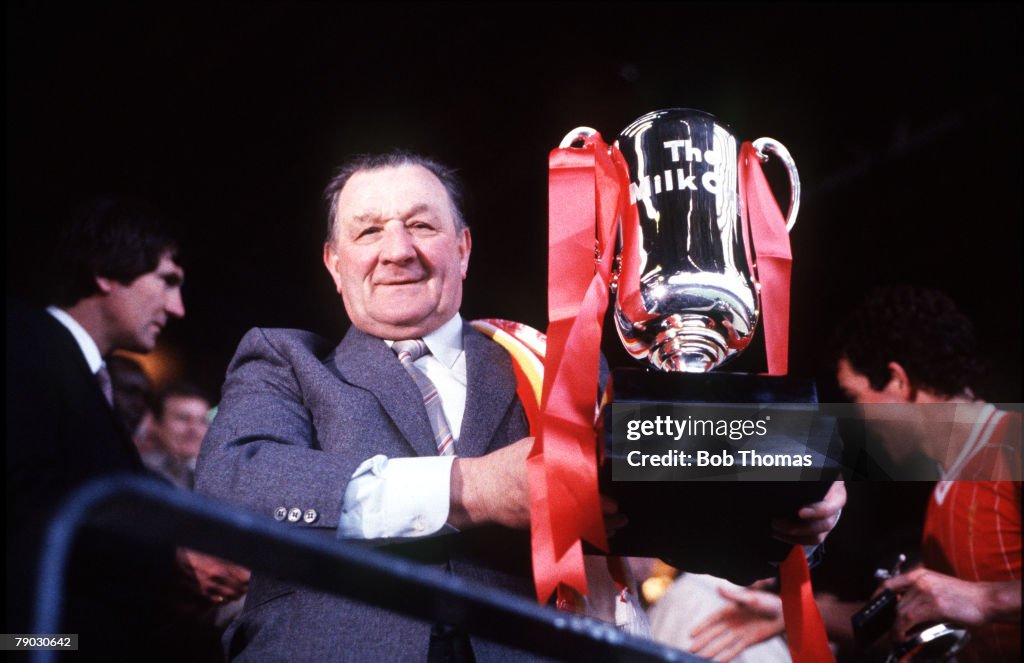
x: 774, y: 256
x: 629, y: 299
x: 585, y: 185
x: 805, y: 630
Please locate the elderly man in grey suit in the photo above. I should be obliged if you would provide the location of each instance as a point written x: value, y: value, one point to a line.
x: 378, y: 438
x: 409, y: 428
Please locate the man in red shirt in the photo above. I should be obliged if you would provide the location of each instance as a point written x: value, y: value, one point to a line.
x: 907, y: 355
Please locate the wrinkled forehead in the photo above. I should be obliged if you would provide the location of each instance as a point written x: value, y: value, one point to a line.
x: 393, y: 193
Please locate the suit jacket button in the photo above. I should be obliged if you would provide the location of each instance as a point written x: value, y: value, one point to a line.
x: 309, y: 516
x: 294, y: 515
x: 280, y: 513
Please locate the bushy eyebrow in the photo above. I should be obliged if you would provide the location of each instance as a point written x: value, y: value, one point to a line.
x: 173, y: 279
x: 368, y: 218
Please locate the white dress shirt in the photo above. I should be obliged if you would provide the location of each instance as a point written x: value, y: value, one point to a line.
x: 402, y: 497
x: 85, y: 342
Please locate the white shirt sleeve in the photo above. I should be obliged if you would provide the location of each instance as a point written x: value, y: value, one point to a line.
x: 396, y: 497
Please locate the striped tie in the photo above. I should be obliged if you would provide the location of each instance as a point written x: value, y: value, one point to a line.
x: 408, y: 352
x: 106, y: 385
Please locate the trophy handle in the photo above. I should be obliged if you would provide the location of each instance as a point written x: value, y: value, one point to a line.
x: 579, y: 133
x: 765, y: 145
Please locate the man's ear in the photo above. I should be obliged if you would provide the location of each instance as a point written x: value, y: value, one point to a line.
x: 465, y: 245
x: 104, y: 284
x: 331, y: 262
x: 899, y: 384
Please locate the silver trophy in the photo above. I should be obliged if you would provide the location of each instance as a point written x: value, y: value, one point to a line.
x: 697, y: 276
x: 687, y: 301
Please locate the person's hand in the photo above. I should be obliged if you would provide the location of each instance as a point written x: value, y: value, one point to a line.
x: 753, y: 616
x: 492, y: 488
x: 216, y: 579
x: 928, y: 596
x: 814, y: 521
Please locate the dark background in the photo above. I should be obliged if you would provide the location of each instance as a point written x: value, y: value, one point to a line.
x: 904, y: 121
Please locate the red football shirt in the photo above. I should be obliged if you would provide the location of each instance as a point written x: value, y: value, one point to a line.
x: 973, y: 527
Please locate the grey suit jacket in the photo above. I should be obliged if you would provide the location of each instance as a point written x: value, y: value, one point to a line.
x: 295, y: 420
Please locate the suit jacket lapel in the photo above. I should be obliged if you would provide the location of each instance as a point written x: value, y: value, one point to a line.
x: 367, y: 362
x: 92, y: 387
x: 490, y: 388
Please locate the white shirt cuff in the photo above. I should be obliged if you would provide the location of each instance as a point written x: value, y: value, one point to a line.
x: 396, y: 497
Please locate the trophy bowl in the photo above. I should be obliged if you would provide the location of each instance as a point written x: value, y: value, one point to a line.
x: 698, y: 275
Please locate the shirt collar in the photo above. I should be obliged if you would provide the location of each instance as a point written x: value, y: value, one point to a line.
x: 85, y: 342
x: 445, y: 342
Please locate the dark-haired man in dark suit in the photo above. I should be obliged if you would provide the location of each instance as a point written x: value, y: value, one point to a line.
x: 117, y: 284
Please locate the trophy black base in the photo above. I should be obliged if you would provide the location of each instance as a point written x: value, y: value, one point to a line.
x: 722, y: 528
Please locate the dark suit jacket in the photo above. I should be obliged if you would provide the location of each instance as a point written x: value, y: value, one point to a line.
x: 295, y: 421
x: 61, y: 433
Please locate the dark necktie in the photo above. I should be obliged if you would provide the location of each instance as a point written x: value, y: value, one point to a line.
x: 103, y: 378
x: 408, y: 352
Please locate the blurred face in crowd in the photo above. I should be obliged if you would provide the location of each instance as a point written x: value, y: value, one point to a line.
x: 889, y: 411
x: 397, y: 258
x: 136, y: 313
x: 131, y: 391
x: 181, y: 429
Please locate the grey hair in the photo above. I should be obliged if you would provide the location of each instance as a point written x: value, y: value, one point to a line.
x: 392, y: 159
